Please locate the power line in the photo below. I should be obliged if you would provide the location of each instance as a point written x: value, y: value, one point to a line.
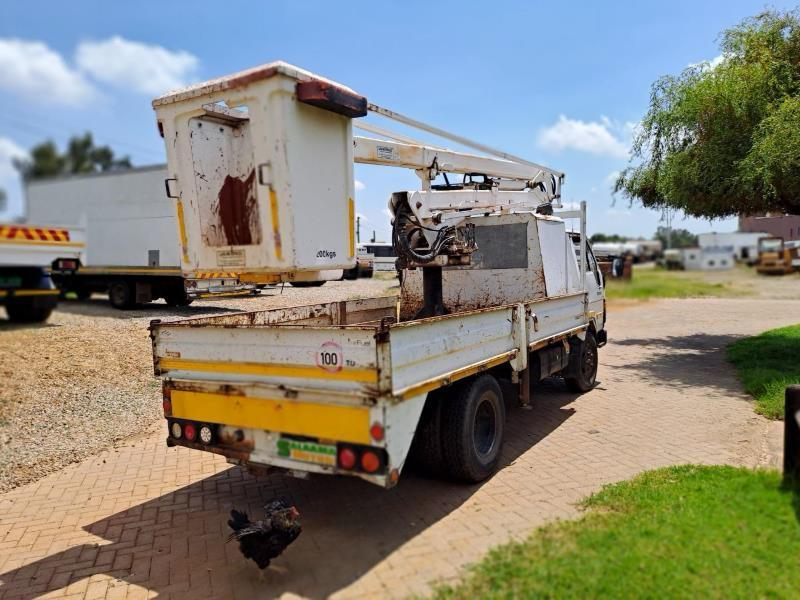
x: 102, y: 139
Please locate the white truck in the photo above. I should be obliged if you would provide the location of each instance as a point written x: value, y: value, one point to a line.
x: 26, y: 253
x: 132, y: 247
x: 495, y: 288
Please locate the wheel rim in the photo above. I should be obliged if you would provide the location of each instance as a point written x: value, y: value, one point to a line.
x: 117, y: 294
x: 484, y: 431
x: 589, y: 366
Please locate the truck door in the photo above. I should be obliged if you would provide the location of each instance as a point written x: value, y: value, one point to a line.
x: 594, y: 282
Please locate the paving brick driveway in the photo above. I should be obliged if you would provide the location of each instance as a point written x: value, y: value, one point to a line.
x: 147, y: 521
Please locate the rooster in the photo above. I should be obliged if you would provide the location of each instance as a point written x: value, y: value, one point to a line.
x: 264, y: 540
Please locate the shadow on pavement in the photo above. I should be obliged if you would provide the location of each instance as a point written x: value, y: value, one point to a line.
x: 685, y: 361
x: 175, y: 544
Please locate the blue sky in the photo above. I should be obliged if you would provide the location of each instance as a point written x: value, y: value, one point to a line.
x: 560, y: 83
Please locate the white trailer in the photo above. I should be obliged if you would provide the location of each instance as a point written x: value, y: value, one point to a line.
x: 132, y: 248
x: 26, y: 252
x: 494, y: 287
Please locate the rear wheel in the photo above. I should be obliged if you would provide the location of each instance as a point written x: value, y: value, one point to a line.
x: 582, y: 370
x: 426, y: 449
x: 177, y: 298
x: 121, y: 295
x: 473, y: 426
x: 27, y: 313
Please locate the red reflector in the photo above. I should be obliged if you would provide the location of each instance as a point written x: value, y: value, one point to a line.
x: 376, y: 431
x: 167, y: 405
x: 189, y: 431
x: 347, y: 458
x: 370, y: 461
x: 67, y: 264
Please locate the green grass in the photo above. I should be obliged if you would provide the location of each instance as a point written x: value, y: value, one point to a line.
x: 766, y: 364
x: 659, y: 283
x: 684, y: 532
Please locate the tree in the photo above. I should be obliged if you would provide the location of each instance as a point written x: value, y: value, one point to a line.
x: 81, y: 156
x: 725, y: 140
x: 679, y: 238
x: 603, y: 237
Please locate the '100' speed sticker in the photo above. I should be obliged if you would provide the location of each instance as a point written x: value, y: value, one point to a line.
x: 329, y: 357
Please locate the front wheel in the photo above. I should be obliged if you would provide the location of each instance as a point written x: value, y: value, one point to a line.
x: 473, y: 426
x: 582, y: 370
x: 27, y: 313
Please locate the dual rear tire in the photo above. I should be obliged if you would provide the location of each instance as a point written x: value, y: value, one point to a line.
x: 462, y: 429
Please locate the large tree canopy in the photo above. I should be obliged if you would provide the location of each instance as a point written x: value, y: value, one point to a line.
x: 81, y: 156
x: 725, y: 140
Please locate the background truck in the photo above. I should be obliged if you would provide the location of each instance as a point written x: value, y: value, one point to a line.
x: 132, y: 248
x: 26, y: 254
x: 495, y: 288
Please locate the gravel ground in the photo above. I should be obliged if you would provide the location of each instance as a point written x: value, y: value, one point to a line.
x: 84, y: 380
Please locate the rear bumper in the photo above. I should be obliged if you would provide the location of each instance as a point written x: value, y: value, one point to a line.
x: 37, y: 298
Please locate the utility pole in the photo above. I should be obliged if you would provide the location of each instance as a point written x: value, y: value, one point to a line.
x: 669, y: 229
x: 358, y: 229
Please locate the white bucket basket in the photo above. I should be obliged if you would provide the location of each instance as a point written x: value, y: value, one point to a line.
x: 261, y: 167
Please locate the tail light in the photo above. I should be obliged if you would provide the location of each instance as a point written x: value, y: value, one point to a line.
x: 376, y: 431
x: 167, y: 405
x: 361, y: 458
x: 190, y: 431
x: 176, y: 430
x: 347, y: 458
x: 370, y: 461
x: 67, y: 265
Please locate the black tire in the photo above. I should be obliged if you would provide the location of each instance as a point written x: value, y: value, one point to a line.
x: 178, y: 298
x: 24, y: 313
x: 121, y: 295
x: 302, y: 284
x: 473, y: 427
x: 426, y: 449
x: 581, y: 373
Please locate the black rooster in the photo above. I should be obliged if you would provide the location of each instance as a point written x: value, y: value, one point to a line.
x: 264, y: 540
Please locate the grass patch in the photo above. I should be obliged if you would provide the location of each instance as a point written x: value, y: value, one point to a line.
x: 660, y: 283
x: 686, y: 532
x: 766, y: 364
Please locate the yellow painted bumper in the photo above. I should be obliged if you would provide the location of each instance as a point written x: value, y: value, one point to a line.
x: 325, y: 421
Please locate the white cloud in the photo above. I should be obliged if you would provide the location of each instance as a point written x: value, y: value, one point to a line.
x: 708, y: 64
x: 146, y: 68
x: 9, y: 150
x: 9, y: 178
x: 605, y: 137
x: 37, y: 72
x: 359, y: 186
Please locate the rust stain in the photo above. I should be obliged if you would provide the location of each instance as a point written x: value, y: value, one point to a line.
x: 238, y: 211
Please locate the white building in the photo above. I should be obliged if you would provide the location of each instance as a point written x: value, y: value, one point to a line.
x: 744, y: 244
x: 710, y: 258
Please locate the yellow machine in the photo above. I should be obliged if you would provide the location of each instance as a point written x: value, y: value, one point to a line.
x: 776, y: 257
